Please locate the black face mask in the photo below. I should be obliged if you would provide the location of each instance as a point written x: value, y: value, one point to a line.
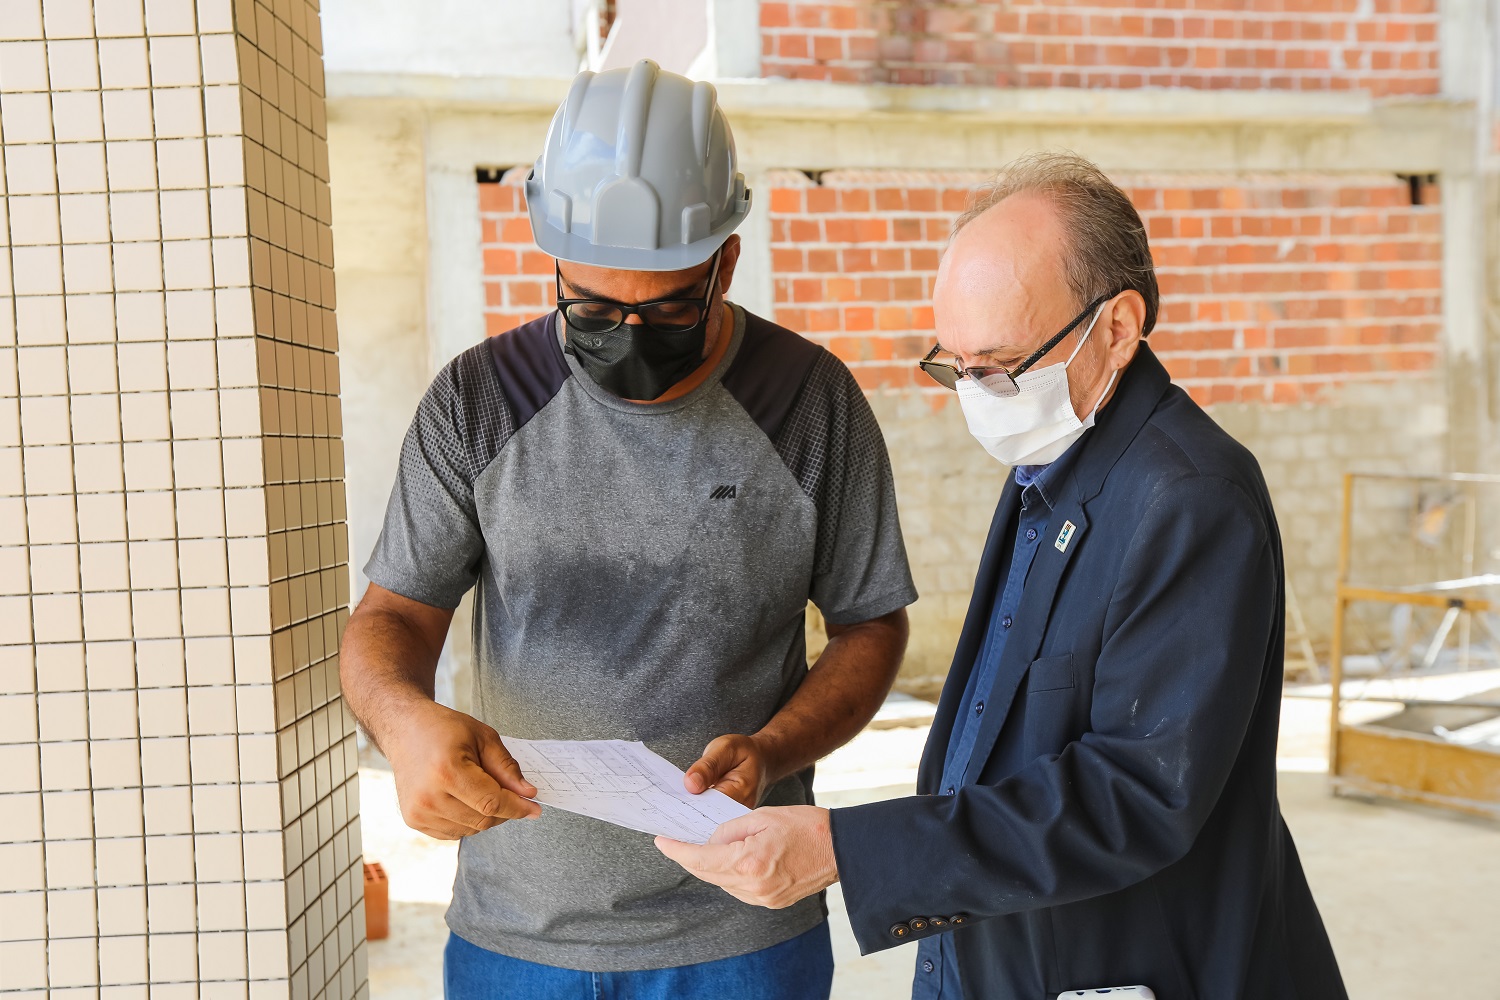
x: 637, y: 360
x: 634, y: 361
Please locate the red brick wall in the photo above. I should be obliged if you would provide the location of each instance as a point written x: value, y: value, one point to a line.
x: 1273, y: 289
x: 1388, y: 48
x: 518, y: 278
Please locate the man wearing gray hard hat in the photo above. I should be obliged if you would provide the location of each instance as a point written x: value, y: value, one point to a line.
x: 645, y: 487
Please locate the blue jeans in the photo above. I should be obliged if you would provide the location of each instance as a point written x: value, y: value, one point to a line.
x: 799, y: 969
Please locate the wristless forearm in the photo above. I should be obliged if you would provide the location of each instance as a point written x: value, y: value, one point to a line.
x: 840, y: 694
x: 386, y: 670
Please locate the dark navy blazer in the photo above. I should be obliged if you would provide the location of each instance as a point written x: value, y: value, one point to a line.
x: 1124, y: 828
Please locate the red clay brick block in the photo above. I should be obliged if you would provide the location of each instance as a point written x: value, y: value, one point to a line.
x: 1275, y: 291
x: 1266, y: 44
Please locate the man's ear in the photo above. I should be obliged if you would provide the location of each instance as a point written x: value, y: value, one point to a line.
x: 730, y: 257
x: 1127, y: 314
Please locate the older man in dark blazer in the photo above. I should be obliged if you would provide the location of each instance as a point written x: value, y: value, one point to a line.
x: 1097, y: 801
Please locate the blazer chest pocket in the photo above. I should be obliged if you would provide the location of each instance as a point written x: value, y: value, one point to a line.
x: 1050, y: 673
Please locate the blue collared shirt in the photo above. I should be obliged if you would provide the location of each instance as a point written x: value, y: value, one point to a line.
x: 937, y: 970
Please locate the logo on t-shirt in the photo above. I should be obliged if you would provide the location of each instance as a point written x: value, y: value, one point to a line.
x: 722, y: 493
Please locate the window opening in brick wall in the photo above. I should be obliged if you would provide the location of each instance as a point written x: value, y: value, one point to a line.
x: 490, y: 175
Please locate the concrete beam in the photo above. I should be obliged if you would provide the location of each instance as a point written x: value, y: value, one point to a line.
x: 821, y: 126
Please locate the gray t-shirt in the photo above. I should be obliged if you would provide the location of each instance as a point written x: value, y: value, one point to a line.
x: 643, y: 572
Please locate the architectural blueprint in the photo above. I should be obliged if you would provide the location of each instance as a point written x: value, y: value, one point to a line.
x: 623, y: 783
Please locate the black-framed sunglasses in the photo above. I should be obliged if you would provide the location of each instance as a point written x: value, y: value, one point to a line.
x: 993, y: 379
x: 661, y: 315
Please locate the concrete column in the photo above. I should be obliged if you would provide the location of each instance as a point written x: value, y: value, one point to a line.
x: 172, y: 546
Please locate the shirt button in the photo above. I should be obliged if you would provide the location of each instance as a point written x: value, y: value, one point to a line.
x: 950, y: 789
x: 1005, y: 622
x: 979, y: 708
x: 1031, y: 534
x: 927, y: 965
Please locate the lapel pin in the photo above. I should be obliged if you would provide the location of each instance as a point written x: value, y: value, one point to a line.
x: 1065, y: 536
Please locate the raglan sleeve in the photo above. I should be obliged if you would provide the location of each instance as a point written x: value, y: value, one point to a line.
x: 860, y: 567
x: 430, y: 545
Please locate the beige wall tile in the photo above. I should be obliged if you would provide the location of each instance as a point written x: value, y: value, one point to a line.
x: 130, y: 164
x: 118, y: 812
x: 150, y: 515
x: 107, y: 616
x: 127, y: 115
x: 79, y: 116
x: 211, y: 710
x: 84, y: 218
x: 123, y: 62
x: 169, y: 862
x: 181, y: 163
x: 164, y: 761
x: 173, y: 958
x: 122, y: 911
x: 23, y: 65
x: 31, y: 170
x: 48, y: 469
x: 191, y: 314
x: 28, y: 118
x: 142, y: 316
x: 121, y: 861
x: 101, y: 517
x: 184, y: 214
x: 216, y: 809
x: 110, y: 665
x: 167, y: 811
x: 70, y: 864
x: 23, y: 966
x: 221, y: 905
x: 34, y: 219
x: 178, y: 111
x: 72, y: 962
x: 120, y: 17
x: 81, y: 170
x: 163, y: 710
x: 122, y: 959
x: 115, y: 764
x: 24, y: 816
x: 23, y: 916
x: 54, y: 570
x: 175, y: 61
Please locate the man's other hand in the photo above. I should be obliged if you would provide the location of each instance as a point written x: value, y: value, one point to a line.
x: 772, y: 857
x: 454, y: 777
x: 735, y: 765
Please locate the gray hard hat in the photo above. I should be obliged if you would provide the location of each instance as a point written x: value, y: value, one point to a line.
x: 639, y: 173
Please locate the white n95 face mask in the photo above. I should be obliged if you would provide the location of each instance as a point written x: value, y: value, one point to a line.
x: 1038, y: 423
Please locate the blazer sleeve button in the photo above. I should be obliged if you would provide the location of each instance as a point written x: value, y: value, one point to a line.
x: 900, y: 931
x: 918, y: 923
x: 958, y: 919
x: 937, y: 922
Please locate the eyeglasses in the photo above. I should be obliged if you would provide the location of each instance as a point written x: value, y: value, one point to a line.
x: 661, y: 315
x: 993, y: 379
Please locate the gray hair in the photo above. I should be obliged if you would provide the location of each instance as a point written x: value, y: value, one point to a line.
x: 1107, y: 252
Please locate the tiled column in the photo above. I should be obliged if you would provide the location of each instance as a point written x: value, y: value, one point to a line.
x: 178, y: 811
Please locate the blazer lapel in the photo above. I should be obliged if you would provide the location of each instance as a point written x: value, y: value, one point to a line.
x: 986, y: 585
x: 1141, y: 388
x: 1037, y: 597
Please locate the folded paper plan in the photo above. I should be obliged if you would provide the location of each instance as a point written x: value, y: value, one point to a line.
x: 621, y: 782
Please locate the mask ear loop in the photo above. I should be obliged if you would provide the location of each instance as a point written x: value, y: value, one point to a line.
x: 1086, y: 334
x: 1112, y: 375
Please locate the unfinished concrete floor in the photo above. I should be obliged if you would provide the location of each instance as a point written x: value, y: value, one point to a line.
x: 1411, y: 897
